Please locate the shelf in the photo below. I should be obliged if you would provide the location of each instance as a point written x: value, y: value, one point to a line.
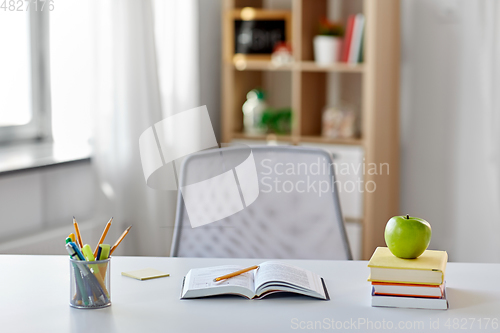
x: 311, y: 66
x: 264, y: 137
x: 305, y: 66
x: 260, y: 65
x: 303, y: 139
x: 339, y: 141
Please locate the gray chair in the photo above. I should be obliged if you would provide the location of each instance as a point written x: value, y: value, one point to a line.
x: 290, y: 219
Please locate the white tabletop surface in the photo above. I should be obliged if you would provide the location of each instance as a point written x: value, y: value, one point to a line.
x: 34, y: 296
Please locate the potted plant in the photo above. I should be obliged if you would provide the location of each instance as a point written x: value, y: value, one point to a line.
x: 328, y: 42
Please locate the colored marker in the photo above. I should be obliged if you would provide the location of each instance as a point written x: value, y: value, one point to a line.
x: 105, y: 248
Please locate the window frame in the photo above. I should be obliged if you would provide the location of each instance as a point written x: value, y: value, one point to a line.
x: 40, y: 126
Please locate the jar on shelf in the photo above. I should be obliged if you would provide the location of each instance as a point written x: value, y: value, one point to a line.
x: 339, y: 122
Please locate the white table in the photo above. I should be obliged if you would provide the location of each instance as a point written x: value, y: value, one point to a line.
x: 34, y: 296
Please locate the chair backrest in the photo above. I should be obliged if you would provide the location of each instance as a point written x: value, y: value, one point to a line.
x: 296, y: 215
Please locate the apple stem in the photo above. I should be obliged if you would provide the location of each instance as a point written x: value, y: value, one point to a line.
x: 407, y: 216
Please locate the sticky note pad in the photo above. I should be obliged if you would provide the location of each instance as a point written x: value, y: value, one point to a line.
x: 145, y: 274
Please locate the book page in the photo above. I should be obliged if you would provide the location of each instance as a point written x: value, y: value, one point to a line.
x: 203, y: 278
x: 271, y: 271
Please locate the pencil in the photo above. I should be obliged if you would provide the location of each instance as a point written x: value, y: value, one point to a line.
x: 113, y: 248
x: 104, y: 233
x: 230, y: 275
x: 77, y: 231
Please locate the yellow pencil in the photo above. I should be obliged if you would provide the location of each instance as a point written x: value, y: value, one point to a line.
x: 77, y: 231
x: 113, y: 248
x: 104, y: 233
x: 230, y: 275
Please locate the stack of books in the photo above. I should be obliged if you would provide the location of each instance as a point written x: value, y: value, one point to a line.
x: 352, y: 51
x: 408, y: 283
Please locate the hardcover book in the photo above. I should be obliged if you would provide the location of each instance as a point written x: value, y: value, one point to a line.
x: 429, y: 268
x: 410, y: 302
x: 400, y: 289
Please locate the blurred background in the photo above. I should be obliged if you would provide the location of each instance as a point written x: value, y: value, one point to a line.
x: 414, y: 81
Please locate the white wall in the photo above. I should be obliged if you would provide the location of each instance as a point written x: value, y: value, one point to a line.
x: 449, y: 165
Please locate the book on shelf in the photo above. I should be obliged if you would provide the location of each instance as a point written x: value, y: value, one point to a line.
x: 347, y: 38
x: 410, y: 302
x: 356, y: 38
x: 429, y: 268
x: 401, y: 289
x: 352, y: 49
x: 271, y: 277
x: 361, y: 54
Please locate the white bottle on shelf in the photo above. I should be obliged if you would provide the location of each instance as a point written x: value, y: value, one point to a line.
x: 253, y: 109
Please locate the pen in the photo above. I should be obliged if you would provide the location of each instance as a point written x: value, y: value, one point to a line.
x: 84, y: 293
x: 104, y: 233
x: 230, y: 275
x: 78, y: 236
x: 99, y: 253
x: 113, y: 248
x: 77, y: 251
x: 79, y: 282
x: 71, y: 251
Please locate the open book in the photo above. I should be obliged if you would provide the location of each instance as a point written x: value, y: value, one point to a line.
x: 270, y: 277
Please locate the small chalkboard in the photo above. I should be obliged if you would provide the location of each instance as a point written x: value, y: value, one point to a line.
x: 255, y: 32
x: 258, y: 37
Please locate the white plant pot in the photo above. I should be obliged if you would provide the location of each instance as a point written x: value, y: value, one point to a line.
x: 327, y: 49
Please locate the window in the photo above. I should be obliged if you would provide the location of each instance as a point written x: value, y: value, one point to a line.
x: 15, y: 108
x: 46, y: 72
x: 24, y: 94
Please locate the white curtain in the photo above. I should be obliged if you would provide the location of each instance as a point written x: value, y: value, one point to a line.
x: 177, y: 47
x: 477, y: 192
x: 142, y: 77
x: 450, y: 127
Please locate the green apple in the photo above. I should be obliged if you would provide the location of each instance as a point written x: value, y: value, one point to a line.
x: 407, y: 237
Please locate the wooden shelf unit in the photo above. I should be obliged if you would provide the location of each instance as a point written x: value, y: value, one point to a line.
x: 377, y: 94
